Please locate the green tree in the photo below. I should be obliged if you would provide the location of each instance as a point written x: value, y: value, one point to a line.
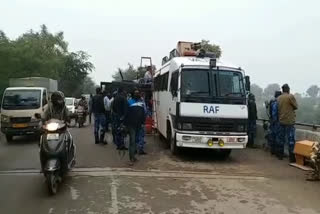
x: 313, y: 91
x: 129, y: 73
x: 43, y: 54
x: 270, y: 90
x: 205, y: 44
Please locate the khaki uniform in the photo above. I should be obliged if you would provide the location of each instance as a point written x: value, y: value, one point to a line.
x: 287, y: 106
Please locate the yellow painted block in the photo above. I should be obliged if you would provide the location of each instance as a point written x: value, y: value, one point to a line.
x: 304, y: 148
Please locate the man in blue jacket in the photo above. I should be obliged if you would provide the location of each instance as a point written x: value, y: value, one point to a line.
x: 134, y: 120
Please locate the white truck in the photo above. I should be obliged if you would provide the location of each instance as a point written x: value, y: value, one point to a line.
x: 200, y: 102
x: 20, y: 102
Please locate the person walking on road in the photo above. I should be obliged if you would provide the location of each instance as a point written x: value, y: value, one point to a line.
x: 99, y: 117
x: 274, y: 124
x: 107, y: 105
x: 90, y: 108
x: 252, y: 120
x: 134, y: 120
x: 287, y: 117
x: 119, y: 111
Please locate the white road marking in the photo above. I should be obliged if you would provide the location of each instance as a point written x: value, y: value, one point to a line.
x: 114, y: 197
x: 51, y: 211
x: 75, y: 194
x: 103, y: 172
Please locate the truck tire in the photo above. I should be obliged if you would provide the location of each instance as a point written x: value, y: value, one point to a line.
x: 9, y: 138
x: 172, y: 143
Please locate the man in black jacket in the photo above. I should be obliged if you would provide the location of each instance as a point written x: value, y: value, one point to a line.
x: 99, y: 117
x: 134, y: 120
x: 119, y: 108
x: 252, y: 120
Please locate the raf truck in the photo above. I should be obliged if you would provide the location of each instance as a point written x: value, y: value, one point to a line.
x: 200, y: 102
x: 21, y: 101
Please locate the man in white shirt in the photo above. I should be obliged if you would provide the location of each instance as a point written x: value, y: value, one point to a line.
x: 107, y: 106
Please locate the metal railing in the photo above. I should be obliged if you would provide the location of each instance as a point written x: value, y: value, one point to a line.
x: 314, y: 127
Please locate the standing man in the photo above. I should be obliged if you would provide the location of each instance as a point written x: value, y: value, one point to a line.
x: 141, y: 132
x: 90, y: 108
x: 134, y: 120
x: 274, y: 125
x: 252, y: 120
x: 99, y: 117
x: 119, y: 111
x: 107, y: 105
x: 287, y: 118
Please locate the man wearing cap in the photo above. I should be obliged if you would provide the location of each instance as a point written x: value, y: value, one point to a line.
x: 287, y: 118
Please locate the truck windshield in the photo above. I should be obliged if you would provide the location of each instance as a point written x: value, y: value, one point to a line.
x: 206, y: 83
x: 195, y: 83
x: 69, y: 101
x: 231, y: 84
x: 21, y: 99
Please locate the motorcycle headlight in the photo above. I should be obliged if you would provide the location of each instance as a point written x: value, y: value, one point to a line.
x: 5, y: 118
x: 52, y: 126
x: 187, y: 126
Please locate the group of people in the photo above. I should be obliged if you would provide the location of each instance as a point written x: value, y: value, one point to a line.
x: 126, y: 114
x: 282, y: 120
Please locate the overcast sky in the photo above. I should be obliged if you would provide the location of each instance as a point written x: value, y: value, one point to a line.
x: 273, y: 40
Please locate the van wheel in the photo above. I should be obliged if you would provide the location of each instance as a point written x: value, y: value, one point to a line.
x: 172, y: 142
x: 9, y: 138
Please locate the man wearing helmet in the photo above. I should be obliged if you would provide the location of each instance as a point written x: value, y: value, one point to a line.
x: 57, y: 108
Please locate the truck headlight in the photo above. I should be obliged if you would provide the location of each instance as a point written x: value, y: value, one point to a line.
x: 5, y: 118
x: 186, y: 126
x: 241, y: 128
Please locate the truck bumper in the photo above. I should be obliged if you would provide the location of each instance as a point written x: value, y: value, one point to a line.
x: 31, y: 129
x: 202, y: 141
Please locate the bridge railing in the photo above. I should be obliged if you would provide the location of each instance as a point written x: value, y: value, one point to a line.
x: 307, y: 126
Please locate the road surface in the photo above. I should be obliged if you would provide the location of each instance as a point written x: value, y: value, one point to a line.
x: 250, y: 181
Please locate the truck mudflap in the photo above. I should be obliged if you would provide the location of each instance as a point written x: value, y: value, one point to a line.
x: 211, y: 141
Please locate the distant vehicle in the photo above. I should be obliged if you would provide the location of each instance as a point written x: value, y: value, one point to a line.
x: 200, y: 102
x: 21, y: 101
x: 71, y: 104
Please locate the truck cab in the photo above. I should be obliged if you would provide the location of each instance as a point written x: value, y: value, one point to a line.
x: 18, y: 107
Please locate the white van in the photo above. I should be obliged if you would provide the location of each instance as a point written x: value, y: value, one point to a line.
x: 19, y: 105
x: 200, y: 102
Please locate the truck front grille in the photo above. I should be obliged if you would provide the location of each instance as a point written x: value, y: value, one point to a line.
x: 20, y: 119
x: 215, y: 127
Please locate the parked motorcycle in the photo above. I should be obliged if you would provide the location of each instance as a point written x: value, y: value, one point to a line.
x: 57, y: 153
x: 81, y: 116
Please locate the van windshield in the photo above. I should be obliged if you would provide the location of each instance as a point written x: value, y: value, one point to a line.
x: 211, y: 83
x: 21, y: 99
x: 69, y: 101
x: 195, y: 83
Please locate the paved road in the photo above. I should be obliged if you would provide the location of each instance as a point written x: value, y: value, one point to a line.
x: 250, y: 181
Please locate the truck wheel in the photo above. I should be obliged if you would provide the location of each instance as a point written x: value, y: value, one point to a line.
x: 172, y: 143
x: 224, y: 153
x: 9, y: 138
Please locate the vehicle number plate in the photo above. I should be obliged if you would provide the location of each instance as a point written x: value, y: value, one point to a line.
x: 52, y: 136
x: 20, y: 125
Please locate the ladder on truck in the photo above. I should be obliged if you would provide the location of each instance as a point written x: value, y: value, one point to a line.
x: 154, y: 113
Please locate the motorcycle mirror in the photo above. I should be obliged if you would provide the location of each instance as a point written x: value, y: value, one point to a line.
x: 37, y: 115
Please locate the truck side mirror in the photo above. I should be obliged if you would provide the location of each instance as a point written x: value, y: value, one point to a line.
x: 247, y: 80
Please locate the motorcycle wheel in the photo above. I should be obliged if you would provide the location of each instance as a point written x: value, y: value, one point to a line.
x: 52, y: 183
